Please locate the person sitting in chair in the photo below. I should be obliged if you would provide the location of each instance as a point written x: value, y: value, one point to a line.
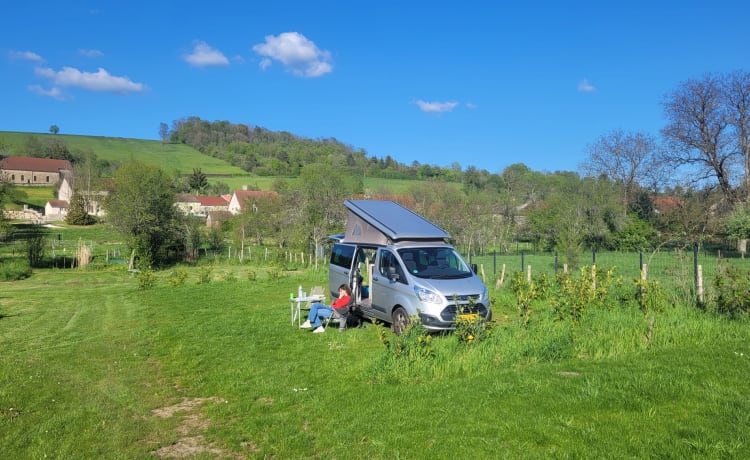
x: 318, y: 310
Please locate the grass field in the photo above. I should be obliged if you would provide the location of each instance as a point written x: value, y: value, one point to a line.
x: 91, y: 366
x: 170, y: 157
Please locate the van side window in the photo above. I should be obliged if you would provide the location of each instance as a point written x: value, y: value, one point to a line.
x: 387, y: 262
x: 341, y: 255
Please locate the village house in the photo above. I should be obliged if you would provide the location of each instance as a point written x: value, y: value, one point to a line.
x: 188, y: 204
x: 55, y: 210
x: 242, y: 199
x: 192, y: 205
x: 33, y: 171
x: 94, y: 193
x: 212, y: 203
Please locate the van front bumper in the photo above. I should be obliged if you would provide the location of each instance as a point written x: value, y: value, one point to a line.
x: 446, y: 321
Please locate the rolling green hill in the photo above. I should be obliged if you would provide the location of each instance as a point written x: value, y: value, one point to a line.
x: 174, y: 157
x: 170, y: 157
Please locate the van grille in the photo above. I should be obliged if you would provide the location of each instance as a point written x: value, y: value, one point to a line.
x: 462, y: 298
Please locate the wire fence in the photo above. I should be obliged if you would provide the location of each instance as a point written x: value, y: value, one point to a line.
x: 684, y: 269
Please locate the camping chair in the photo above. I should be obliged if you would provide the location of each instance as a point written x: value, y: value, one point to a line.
x: 341, y: 315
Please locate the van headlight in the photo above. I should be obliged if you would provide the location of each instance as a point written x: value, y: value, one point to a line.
x: 425, y: 295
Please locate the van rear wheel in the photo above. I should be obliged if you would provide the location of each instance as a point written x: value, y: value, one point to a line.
x: 399, y: 320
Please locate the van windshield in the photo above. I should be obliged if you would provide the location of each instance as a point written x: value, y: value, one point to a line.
x: 434, y: 263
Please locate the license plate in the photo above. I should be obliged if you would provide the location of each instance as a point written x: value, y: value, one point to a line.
x: 468, y: 316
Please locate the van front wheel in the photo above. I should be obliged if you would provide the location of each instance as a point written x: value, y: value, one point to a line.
x: 399, y: 320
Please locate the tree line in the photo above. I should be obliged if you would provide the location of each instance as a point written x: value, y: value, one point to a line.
x: 634, y: 191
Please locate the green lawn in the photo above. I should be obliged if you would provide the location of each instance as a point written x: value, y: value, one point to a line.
x: 93, y: 367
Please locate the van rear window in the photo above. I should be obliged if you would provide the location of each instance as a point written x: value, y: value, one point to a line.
x: 341, y: 255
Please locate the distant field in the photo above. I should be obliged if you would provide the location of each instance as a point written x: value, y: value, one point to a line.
x: 170, y: 157
x: 372, y: 185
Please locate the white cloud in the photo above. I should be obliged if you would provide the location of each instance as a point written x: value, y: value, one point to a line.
x: 436, y: 107
x: 26, y: 56
x: 585, y: 87
x: 471, y: 105
x: 204, y: 55
x: 99, y: 81
x: 296, y: 53
x: 92, y: 53
x: 53, y: 92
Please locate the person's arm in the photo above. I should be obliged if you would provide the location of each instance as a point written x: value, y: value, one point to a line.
x: 341, y: 302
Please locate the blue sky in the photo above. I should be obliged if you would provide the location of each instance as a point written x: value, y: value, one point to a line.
x: 470, y: 82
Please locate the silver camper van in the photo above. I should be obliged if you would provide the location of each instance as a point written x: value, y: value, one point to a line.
x: 400, y: 265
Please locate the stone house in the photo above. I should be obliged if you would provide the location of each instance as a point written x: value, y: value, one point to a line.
x: 95, y: 193
x: 55, y: 210
x: 33, y: 171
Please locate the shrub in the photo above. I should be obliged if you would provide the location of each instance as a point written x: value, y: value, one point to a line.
x: 471, y: 329
x: 650, y: 296
x: 14, y: 270
x: 177, y: 277
x: 406, y: 354
x: 578, y: 294
x: 146, y: 279
x: 526, y: 293
x: 204, y: 275
x: 732, y: 291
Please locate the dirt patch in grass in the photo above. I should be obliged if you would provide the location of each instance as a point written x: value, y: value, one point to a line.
x: 193, y: 423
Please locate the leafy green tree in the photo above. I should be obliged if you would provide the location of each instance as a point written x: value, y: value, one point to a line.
x: 142, y: 209
x: 322, y: 194
x: 54, y: 129
x: 77, y: 211
x: 198, y: 182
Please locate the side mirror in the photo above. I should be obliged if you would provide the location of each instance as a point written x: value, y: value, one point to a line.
x: 474, y: 268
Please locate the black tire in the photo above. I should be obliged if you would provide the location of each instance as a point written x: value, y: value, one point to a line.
x: 399, y: 320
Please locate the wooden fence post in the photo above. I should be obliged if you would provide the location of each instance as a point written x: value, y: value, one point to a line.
x: 593, y: 277
x: 700, y: 283
x: 500, y: 280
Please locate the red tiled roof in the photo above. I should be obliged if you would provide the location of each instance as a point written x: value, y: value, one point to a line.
x: 212, y: 201
x: 34, y: 164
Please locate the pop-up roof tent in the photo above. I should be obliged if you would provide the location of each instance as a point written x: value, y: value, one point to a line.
x: 383, y: 222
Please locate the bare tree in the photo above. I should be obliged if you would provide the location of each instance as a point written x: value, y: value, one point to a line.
x: 630, y: 159
x: 736, y: 88
x: 164, y: 132
x: 698, y: 132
